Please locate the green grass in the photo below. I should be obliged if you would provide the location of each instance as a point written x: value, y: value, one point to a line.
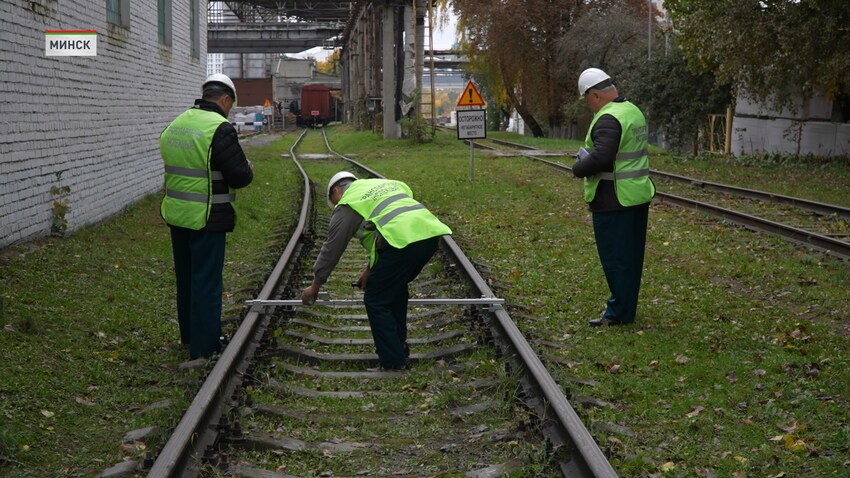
x: 90, y: 337
x: 737, y: 362
x: 736, y: 365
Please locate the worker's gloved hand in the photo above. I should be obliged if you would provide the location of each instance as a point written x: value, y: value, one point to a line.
x: 582, y: 154
x: 308, y: 297
x: 363, y: 279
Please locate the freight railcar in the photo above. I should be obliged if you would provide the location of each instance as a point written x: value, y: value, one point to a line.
x: 318, y: 106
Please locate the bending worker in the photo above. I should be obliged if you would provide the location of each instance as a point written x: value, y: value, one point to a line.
x: 615, y: 166
x: 401, y: 236
x: 204, y: 163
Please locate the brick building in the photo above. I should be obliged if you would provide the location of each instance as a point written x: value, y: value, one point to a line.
x: 83, y: 132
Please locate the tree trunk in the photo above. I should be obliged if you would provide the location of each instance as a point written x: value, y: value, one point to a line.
x: 521, y: 108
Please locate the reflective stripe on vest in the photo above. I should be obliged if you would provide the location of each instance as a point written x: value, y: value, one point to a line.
x: 626, y: 175
x: 193, y: 173
x: 395, y: 212
x: 632, y: 184
x: 388, y: 207
x: 202, y: 198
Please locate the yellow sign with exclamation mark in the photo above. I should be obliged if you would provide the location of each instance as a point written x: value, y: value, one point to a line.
x: 470, y: 96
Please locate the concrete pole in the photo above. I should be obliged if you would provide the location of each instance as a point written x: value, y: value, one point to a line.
x: 419, y: 10
x: 409, y: 73
x: 363, y: 70
x: 372, y: 54
x: 388, y: 79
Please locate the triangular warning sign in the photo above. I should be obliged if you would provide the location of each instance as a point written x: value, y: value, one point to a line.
x: 470, y: 96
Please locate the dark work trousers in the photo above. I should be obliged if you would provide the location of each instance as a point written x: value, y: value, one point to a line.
x: 387, y: 294
x: 620, y: 242
x: 198, y: 265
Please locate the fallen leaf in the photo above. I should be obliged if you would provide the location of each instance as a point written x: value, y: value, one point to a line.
x: 682, y: 359
x: 694, y: 411
x: 667, y: 466
x: 47, y: 413
x: 790, y: 428
x: 794, y: 444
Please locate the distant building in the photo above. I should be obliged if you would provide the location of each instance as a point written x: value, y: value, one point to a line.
x: 79, y: 136
x: 215, y: 63
x: 291, y: 74
x: 815, y: 126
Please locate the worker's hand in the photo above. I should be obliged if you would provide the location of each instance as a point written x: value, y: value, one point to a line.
x: 364, y: 278
x: 308, y: 297
x: 582, y: 154
x: 251, y: 164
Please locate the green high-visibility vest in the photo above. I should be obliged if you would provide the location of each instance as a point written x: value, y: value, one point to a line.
x: 186, y: 147
x: 388, y: 207
x: 632, y: 183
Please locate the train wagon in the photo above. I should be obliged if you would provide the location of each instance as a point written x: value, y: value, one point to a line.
x: 317, y: 106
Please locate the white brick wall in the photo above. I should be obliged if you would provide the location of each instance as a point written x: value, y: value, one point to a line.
x: 94, y: 121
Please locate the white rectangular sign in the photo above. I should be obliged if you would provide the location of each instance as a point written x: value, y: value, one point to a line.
x: 471, y: 124
x: 70, y: 43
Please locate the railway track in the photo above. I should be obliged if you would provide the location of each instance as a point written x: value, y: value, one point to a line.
x: 825, y: 227
x: 291, y: 394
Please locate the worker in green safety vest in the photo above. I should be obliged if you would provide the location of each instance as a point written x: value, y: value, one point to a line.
x: 203, y: 164
x: 614, y: 165
x: 400, y: 235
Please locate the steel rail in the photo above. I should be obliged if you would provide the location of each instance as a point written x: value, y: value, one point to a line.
x: 822, y: 208
x: 814, y: 206
x: 826, y: 244
x: 837, y: 248
x: 197, y: 428
x: 590, y: 461
x: 514, y: 145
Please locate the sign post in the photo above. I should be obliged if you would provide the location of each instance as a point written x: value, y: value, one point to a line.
x: 471, y: 123
x: 267, y: 113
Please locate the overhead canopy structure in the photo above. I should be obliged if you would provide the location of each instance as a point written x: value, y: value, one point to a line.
x: 384, y: 44
x: 269, y: 37
x: 269, y: 11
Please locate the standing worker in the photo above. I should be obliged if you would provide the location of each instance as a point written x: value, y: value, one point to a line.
x: 615, y: 166
x: 400, y: 235
x: 204, y: 163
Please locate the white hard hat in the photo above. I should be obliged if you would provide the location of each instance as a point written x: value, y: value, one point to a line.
x: 590, y: 78
x: 224, y: 80
x: 335, y: 179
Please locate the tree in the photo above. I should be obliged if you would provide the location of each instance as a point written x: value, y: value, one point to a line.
x: 610, y: 35
x: 513, y: 44
x: 331, y: 64
x: 674, y: 98
x: 607, y: 34
x: 774, y: 51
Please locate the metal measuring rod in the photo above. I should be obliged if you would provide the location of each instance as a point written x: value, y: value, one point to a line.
x: 492, y: 303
